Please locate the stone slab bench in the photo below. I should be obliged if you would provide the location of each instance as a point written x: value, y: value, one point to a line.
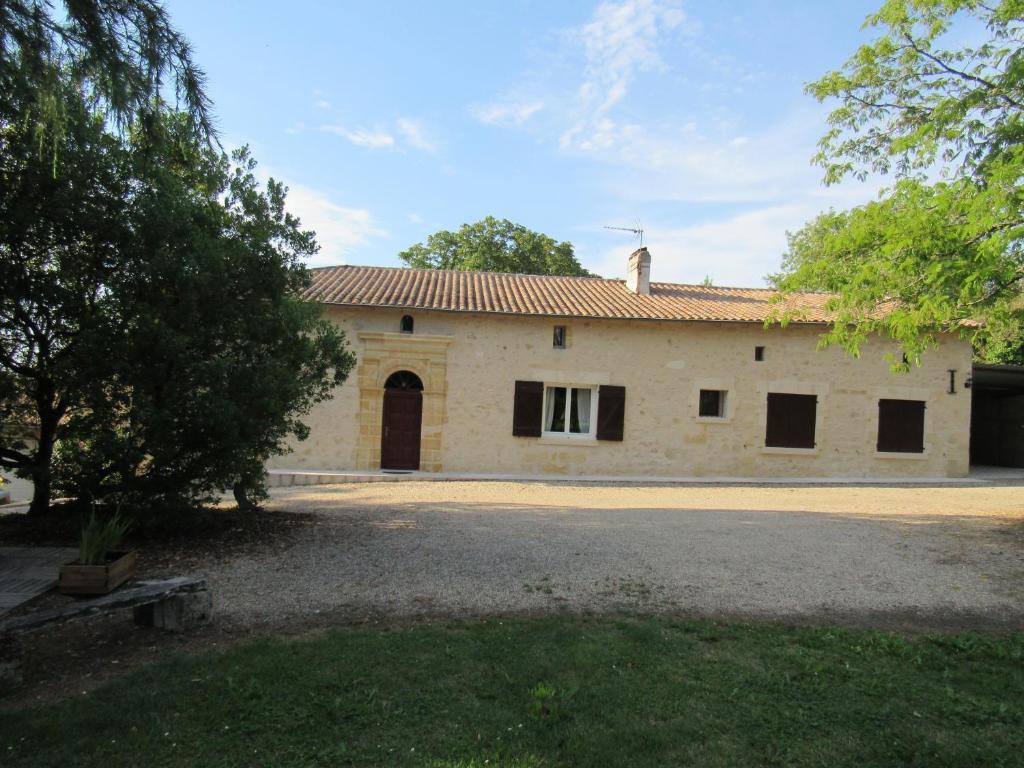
x: 174, y: 605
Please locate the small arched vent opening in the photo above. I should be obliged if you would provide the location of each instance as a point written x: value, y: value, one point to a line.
x: 407, y: 323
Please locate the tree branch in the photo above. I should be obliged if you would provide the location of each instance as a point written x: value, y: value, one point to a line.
x: 999, y: 288
x: 961, y: 74
x: 993, y: 229
x: 886, y: 105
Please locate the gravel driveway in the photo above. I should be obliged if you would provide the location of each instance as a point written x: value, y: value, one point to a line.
x: 921, y: 557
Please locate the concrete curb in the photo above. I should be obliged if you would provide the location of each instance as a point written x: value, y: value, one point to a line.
x: 284, y: 478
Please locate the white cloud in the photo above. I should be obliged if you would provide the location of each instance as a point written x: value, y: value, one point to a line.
x: 686, y: 163
x: 620, y: 40
x: 508, y: 113
x: 669, y: 157
x: 701, y: 150
x: 415, y: 218
x: 362, y: 137
x: 415, y: 134
x: 411, y: 132
x: 738, y: 250
x: 339, y: 229
x: 675, y: 158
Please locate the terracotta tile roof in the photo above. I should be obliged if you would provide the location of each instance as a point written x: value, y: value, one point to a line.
x: 591, y: 297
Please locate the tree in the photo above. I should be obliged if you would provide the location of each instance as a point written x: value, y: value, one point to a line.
x: 61, y: 237
x: 151, y: 341
x: 122, y: 52
x: 149, y: 325
x: 222, y: 360
x: 493, y: 245
x: 941, y: 249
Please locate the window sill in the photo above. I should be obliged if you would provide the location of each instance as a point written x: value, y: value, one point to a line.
x: 789, y: 451
x: 583, y: 440
x: 902, y: 455
x: 712, y: 419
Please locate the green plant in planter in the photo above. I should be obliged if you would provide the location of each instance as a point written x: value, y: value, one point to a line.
x: 100, y: 537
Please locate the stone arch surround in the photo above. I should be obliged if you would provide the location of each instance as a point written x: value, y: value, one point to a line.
x: 383, y: 354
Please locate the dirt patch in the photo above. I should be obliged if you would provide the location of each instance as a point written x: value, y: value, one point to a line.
x: 73, y: 659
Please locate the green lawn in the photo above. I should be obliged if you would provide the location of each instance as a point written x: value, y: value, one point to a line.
x: 551, y: 692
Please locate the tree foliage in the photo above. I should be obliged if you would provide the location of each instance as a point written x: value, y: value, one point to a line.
x: 151, y: 333
x: 940, y: 249
x: 61, y: 240
x: 494, y: 245
x: 125, y: 55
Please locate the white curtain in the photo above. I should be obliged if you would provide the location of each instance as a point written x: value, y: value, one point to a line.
x: 550, y: 415
x: 581, y: 410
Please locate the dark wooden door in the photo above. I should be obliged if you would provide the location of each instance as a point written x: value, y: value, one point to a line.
x: 400, y: 429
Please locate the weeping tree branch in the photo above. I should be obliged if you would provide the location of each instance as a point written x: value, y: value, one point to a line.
x: 123, y: 49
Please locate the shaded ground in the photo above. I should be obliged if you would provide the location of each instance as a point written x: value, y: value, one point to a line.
x: 70, y: 659
x: 177, y: 544
x: 28, y: 572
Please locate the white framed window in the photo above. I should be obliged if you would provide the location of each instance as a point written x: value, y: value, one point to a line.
x: 569, y: 411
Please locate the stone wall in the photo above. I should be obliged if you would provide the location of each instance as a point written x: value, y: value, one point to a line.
x: 469, y: 364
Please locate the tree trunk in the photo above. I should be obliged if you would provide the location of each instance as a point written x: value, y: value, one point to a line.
x: 241, y: 492
x: 41, y: 474
x: 50, y: 413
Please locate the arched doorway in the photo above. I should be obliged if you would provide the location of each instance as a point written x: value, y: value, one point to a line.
x: 400, y: 424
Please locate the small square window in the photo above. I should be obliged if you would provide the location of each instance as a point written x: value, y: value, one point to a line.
x: 712, y: 403
x: 558, y: 341
x: 759, y: 354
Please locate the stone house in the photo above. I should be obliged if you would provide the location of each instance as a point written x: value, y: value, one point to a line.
x: 473, y: 372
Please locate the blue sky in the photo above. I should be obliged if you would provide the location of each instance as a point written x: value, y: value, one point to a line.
x: 389, y: 121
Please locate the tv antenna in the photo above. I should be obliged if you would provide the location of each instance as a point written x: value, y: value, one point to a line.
x: 637, y: 230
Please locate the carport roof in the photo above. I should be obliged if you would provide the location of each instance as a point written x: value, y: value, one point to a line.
x: 1004, y: 377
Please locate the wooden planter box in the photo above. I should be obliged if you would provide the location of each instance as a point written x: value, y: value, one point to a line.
x: 78, y: 579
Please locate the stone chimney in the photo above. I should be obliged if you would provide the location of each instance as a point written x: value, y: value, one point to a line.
x: 638, y: 276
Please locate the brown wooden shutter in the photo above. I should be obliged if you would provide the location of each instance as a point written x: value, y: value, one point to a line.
x: 528, y: 408
x: 611, y: 412
x: 901, y: 426
x: 791, y: 420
